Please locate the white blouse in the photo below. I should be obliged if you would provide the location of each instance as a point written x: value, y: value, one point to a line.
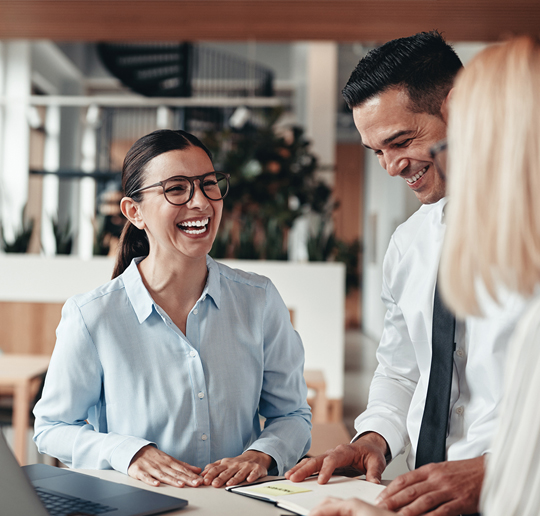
x: 512, y: 482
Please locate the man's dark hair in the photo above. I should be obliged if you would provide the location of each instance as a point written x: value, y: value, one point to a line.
x: 424, y: 64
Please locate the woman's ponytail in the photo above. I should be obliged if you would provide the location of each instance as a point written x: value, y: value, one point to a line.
x: 133, y: 242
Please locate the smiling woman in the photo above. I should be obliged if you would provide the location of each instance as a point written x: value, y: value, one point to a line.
x: 163, y: 373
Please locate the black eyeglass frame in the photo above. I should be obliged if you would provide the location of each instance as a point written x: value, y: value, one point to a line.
x: 435, y: 152
x: 191, y: 180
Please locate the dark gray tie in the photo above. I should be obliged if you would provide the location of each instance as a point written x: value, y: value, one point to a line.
x: 432, y: 439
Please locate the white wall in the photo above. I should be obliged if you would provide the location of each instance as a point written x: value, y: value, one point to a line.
x: 388, y: 203
x: 321, y: 100
x: 315, y: 291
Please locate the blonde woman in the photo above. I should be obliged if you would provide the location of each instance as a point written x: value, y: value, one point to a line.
x: 492, y: 246
x: 493, y: 240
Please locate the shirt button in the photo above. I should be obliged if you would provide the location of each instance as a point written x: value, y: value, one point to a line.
x: 201, y: 395
x: 192, y: 353
x: 204, y: 298
x: 195, y: 312
x: 460, y: 353
x: 459, y: 411
x: 204, y: 437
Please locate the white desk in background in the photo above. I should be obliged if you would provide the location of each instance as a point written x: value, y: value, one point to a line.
x: 206, y: 501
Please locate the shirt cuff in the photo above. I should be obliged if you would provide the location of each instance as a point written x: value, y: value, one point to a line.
x: 123, y: 454
x: 279, y: 467
x: 387, y: 431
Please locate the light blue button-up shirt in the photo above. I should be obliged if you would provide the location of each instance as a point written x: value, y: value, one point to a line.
x: 123, y: 376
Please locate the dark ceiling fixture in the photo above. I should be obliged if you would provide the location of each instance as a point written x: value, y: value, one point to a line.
x: 185, y: 70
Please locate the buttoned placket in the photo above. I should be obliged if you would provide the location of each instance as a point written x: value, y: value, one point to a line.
x: 196, y: 372
x: 202, y: 410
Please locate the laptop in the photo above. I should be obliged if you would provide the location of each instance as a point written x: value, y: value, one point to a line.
x: 40, y: 490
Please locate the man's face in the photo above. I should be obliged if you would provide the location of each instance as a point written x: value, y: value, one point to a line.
x: 401, y: 139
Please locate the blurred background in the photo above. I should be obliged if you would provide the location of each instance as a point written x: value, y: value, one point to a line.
x: 259, y: 82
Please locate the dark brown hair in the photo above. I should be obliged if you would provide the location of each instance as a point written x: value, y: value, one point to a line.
x: 133, y: 241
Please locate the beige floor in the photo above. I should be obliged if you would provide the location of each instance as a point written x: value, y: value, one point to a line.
x: 360, y: 364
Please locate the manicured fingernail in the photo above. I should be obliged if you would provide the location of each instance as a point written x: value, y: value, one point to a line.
x: 196, y: 482
x: 180, y: 483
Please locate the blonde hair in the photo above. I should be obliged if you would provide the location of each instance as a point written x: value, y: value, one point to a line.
x: 493, y: 212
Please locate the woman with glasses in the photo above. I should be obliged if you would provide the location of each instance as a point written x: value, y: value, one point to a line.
x: 163, y: 373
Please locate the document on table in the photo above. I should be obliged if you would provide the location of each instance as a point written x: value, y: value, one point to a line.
x: 301, y: 497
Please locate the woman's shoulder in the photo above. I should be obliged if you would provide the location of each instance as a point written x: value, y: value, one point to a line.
x: 239, y: 276
x: 529, y: 324
x: 525, y: 347
x: 103, y: 293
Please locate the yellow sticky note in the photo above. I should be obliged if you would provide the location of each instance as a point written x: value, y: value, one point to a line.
x: 280, y: 490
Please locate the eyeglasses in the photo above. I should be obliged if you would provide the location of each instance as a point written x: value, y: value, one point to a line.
x: 438, y: 154
x: 178, y: 190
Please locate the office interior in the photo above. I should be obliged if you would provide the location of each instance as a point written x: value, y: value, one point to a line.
x: 67, y: 117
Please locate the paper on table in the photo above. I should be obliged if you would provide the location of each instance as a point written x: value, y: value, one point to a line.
x: 302, y: 497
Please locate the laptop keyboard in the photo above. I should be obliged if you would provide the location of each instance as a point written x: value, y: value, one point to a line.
x: 62, y: 505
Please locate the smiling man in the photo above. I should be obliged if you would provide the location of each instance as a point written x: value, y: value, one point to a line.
x: 438, y: 383
x: 402, y: 139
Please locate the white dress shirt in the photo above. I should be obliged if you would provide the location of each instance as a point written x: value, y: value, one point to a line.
x: 511, y: 485
x: 122, y: 376
x: 398, y: 391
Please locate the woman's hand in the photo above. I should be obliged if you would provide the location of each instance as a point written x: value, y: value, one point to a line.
x: 153, y: 466
x: 249, y: 466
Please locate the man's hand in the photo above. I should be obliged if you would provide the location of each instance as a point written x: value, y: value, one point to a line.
x: 249, y: 466
x: 350, y: 507
x: 446, y: 488
x: 153, y: 466
x: 366, y: 454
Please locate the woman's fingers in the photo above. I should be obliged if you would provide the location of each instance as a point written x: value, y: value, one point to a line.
x: 249, y: 474
x: 212, y: 471
x: 232, y: 471
x: 153, y: 467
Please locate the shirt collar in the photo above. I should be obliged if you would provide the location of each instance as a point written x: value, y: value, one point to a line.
x: 143, y: 303
x: 438, y: 208
x: 138, y: 296
x: 213, y: 284
x: 443, y: 202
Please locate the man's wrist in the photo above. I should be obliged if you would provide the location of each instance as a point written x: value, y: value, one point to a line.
x: 377, y: 440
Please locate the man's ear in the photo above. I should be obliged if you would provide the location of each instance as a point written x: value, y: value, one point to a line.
x: 446, y: 105
x: 132, y: 212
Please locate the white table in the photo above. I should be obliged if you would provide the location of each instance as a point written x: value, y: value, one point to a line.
x: 204, y: 501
